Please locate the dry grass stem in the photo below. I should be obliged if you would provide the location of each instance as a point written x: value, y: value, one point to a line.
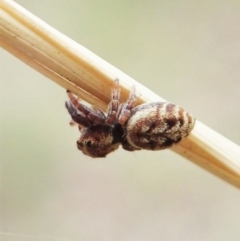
x: 75, y: 68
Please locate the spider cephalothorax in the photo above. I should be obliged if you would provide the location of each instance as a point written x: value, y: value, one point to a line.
x: 151, y: 126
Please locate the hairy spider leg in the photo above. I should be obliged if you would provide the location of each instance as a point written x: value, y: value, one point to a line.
x: 76, y: 115
x: 72, y: 122
x: 91, y: 115
x: 125, y: 113
x: 113, y: 106
x: 99, y: 111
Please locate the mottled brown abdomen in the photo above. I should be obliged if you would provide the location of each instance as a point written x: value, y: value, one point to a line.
x: 158, y: 125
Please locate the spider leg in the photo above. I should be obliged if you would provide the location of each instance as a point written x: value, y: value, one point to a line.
x: 99, y: 111
x: 125, y: 112
x: 76, y: 115
x: 113, y: 106
x: 93, y: 116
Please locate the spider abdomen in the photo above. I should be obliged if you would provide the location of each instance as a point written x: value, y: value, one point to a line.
x: 157, y: 125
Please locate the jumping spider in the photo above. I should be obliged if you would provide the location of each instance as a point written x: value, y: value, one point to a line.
x: 150, y: 126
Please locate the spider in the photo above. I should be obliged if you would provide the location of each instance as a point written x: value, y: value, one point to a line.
x: 151, y: 126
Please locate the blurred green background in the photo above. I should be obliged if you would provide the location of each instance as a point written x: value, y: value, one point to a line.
x: 186, y: 51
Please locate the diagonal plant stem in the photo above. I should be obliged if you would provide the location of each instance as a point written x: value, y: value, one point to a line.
x: 77, y: 69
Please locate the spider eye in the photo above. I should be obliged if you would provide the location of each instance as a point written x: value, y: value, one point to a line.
x: 88, y: 143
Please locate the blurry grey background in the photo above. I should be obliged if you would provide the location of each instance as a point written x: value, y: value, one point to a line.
x: 188, y: 52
